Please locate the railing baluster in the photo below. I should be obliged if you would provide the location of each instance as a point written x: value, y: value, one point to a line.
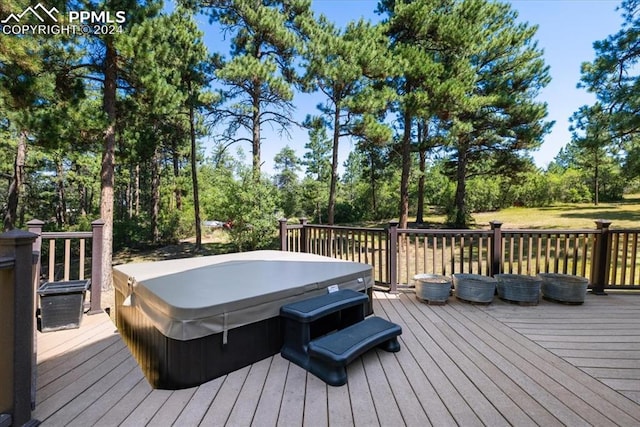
x: 425, y: 248
x: 470, y: 255
x: 452, y: 254
x: 538, y: 252
x: 614, y: 258
x: 634, y: 258
x: 81, y: 262
x: 52, y: 259
x: 623, y: 266
x: 565, y: 269
x: 382, y: 268
x: 461, y: 251
x: 576, y: 244
x: 416, y: 257
x: 585, y: 251
x: 511, y: 249
x: 480, y: 258
x: 520, y: 252
x: 434, y: 253
x: 67, y: 258
x: 442, y: 255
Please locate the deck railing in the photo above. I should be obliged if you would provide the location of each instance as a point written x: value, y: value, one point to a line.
x: 20, y: 256
x: 608, y: 258
x: 66, y: 255
x: 367, y: 245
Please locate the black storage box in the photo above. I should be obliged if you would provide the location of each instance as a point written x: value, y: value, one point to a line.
x: 61, y: 304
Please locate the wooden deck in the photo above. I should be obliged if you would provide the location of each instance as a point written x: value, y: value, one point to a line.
x: 460, y: 364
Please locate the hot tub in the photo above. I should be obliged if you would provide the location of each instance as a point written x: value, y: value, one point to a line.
x: 188, y: 321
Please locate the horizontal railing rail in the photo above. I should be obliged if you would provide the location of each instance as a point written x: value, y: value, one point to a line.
x: 610, y: 259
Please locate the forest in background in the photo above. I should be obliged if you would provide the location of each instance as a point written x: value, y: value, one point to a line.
x: 439, y: 97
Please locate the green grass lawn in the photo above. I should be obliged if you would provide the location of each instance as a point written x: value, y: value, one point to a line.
x: 625, y: 214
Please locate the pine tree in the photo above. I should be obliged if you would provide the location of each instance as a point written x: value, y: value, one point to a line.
x: 258, y: 77
x: 317, y: 158
x: 342, y: 65
x: 613, y: 77
x: 170, y: 68
x: 287, y: 166
x: 469, y: 64
x: 496, y: 118
x: 414, y: 28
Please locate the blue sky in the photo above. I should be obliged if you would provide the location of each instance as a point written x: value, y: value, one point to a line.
x: 567, y: 30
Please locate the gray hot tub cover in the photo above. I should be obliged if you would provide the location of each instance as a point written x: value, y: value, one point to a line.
x: 195, y: 297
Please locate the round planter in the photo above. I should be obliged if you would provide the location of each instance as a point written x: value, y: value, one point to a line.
x: 564, y: 287
x: 432, y: 287
x: 474, y: 287
x: 519, y: 288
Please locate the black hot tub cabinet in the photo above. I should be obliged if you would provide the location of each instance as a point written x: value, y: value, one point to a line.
x: 188, y: 321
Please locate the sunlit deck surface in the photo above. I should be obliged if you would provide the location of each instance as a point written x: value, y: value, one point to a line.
x: 460, y: 364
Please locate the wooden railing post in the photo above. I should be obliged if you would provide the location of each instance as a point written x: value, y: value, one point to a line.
x: 96, y: 267
x: 601, y: 258
x: 496, y: 248
x: 392, y: 257
x: 18, y: 325
x: 35, y: 227
x: 282, y: 226
x: 304, y: 243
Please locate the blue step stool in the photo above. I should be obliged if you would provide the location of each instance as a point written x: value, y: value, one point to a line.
x: 305, y: 320
x: 325, y: 333
x: 331, y: 353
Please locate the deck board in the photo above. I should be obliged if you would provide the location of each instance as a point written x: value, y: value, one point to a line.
x: 272, y: 392
x: 459, y: 364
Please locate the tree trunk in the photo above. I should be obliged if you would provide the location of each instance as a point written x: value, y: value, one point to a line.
x: 82, y: 195
x: 130, y: 194
x: 11, y: 215
x: 406, y: 168
x: 61, y: 208
x: 137, y: 190
x: 155, y: 194
x: 423, y: 163
x: 334, y: 166
x: 596, y: 180
x: 255, y: 148
x: 422, y: 152
x: 372, y: 184
x: 107, y: 171
x: 460, y: 219
x: 194, y: 177
x: 176, y: 174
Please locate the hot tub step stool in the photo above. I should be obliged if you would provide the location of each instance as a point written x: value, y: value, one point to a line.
x: 305, y: 320
x: 335, y: 326
x: 331, y: 353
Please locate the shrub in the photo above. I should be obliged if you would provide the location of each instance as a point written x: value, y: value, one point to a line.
x: 251, y: 209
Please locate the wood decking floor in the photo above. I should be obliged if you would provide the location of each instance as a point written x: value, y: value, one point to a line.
x: 460, y: 364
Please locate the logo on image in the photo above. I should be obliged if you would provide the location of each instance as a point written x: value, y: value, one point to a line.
x: 40, y: 20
